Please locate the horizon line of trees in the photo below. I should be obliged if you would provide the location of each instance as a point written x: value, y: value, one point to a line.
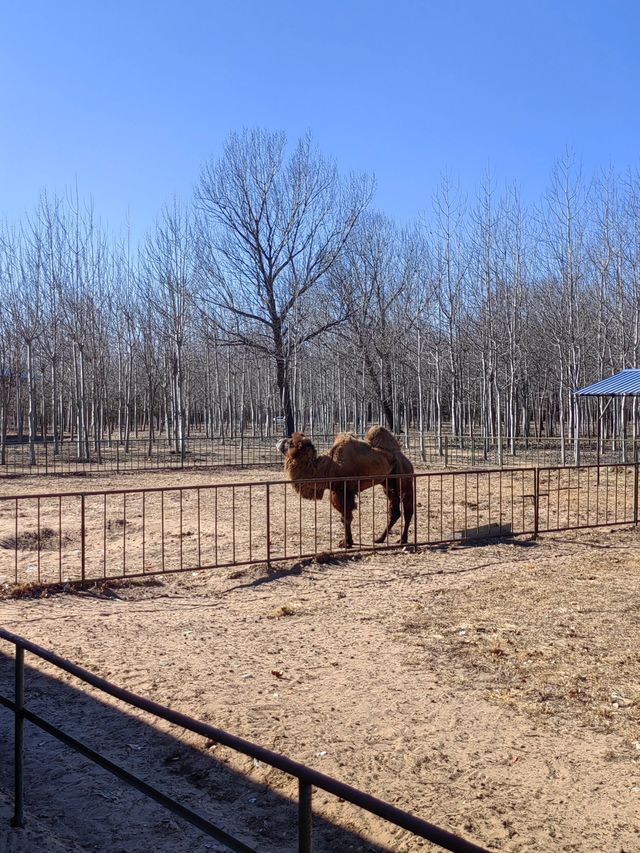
x: 280, y: 299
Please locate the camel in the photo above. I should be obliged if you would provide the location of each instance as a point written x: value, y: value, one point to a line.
x: 378, y: 460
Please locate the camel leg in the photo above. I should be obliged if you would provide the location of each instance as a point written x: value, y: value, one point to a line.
x: 393, y: 496
x: 344, y: 500
x: 407, y: 505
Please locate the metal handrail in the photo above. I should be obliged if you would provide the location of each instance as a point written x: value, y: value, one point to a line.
x: 308, y: 778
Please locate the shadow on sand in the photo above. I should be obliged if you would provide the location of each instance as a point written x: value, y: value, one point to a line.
x: 78, y: 806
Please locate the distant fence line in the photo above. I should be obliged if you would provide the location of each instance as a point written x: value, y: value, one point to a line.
x: 253, y: 451
x: 99, y: 535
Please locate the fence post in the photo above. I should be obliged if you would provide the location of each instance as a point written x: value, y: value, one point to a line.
x: 473, y: 451
x: 415, y: 513
x: 446, y: 451
x: 305, y: 817
x: 268, y: 523
x: 46, y: 456
x: 18, y: 745
x: 536, y: 503
x: 635, y: 493
x: 82, y: 541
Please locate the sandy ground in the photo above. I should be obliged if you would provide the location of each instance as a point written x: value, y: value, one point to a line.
x: 493, y: 690
x: 159, y: 522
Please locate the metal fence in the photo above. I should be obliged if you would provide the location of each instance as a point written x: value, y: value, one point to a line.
x: 254, y: 451
x: 137, y: 455
x: 589, y: 496
x: 472, y: 451
x: 97, y: 535
x: 308, y: 779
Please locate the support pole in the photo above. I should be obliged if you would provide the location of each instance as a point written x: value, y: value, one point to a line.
x: 305, y: 817
x: 18, y: 745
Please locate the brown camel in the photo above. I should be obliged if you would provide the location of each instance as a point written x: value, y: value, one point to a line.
x: 378, y: 460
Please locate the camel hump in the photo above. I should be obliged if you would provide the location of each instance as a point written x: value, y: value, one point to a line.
x: 382, y: 439
x: 298, y: 439
x: 354, y: 456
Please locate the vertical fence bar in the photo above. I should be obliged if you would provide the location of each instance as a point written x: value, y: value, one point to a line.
x: 39, y: 542
x: 18, y: 744
x: 60, y: 538
x: 536, y: 503
x: 215, y: 524
x: 305, y: 817
x: 144, y: 531
x: 162, y: 527
x: 181, y: 531
x: 284, y: 517
x: 83, y: 536
x: 635, y: 490
x: 453, y: 506
x: 345, y: 541
x: 268, y: 524
x: 250, y: 530
x: 124, y: 533
x: 199, y: 536
x: 373, y: 517
x: 15, y: 541
x: 415, y: 512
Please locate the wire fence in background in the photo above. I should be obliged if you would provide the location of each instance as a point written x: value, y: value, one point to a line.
x: 200, y: 452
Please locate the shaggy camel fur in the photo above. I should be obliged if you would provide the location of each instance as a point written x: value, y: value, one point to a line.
x: 378, y: 460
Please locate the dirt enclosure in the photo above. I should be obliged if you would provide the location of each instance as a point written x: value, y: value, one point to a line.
x: 493, y: 690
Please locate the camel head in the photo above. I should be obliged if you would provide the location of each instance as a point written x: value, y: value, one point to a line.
x: 301, y: 463
x: 298, y: 447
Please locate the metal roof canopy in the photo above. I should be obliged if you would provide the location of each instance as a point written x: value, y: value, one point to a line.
x: 626, y: 383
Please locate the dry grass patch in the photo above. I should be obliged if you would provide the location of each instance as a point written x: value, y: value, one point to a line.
x: 560, y: 640
x: 288, y: 609
x: 47, y: 539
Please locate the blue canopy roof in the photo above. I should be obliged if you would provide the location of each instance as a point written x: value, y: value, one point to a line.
x: 624, y: 383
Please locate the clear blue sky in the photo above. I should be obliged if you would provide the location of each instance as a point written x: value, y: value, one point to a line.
x: 129, y: 98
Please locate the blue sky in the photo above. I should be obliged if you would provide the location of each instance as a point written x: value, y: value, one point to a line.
x: 129, y: 98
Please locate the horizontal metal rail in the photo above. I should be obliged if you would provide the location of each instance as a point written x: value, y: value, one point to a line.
x: 308, y: 778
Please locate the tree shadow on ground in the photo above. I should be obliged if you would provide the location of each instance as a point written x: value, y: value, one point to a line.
x: 79, y: 806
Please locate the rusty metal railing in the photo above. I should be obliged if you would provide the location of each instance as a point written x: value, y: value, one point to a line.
x: 588, y: 496
x: 308, y: 778
x: 121, y: 533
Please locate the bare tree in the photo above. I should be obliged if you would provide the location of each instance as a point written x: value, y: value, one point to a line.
x: 377, y: 280
x: 275, y: 226
x: 25, y: 299
x: 169, y: 280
